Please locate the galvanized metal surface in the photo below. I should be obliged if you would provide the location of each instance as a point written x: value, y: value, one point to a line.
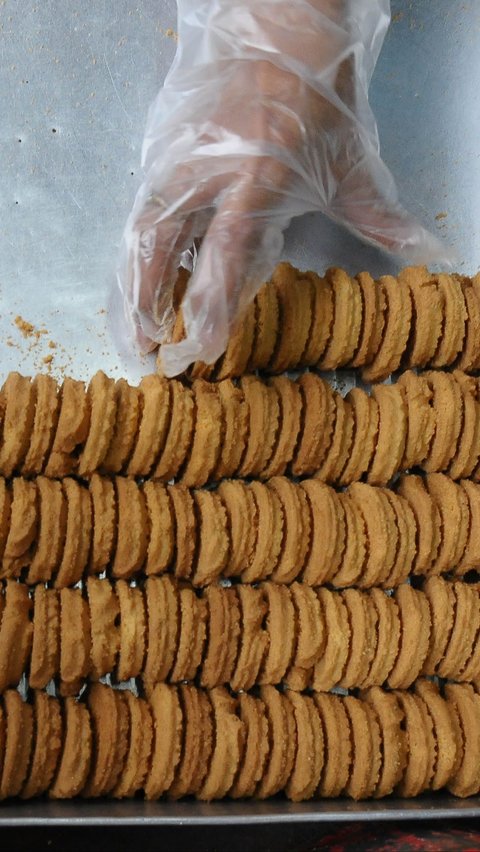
x: 75, y: 83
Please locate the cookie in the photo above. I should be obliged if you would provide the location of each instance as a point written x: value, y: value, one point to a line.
x: 163, y: 623
x: 280, y: 627
x: 268, y: 535
x: 364, y: 412
x: 339, y: 450
x: 235, y: 431
x: 214, y: 542
x: 452, y: 504
x: 392, y: 434
x: 322, y: 319
x: 18, y: 403
x: 311, y: 636
x: 72, y: 429
x: 362, y: 618
x: 337, y: 744
x: 46, y: 748
x: 328, y: 670
x: 239, y: 502
x: 355, y: 553
x: 132, y: 638
x: 428, y: 522
x: 462, y: 637
x: 76, y: 751
x: 18, y: 744
x: 445, y: 732
x: 206, y: 437
x: 168, y: 724
x: 132, y: 539
x: 296, y: 529
x: 393, y: 738
x: 415, y: 777
x: 5, y: 513
x: 328, y: 533
x: 52, y: 528
x: 469, y: 357
x: 23, y: 527
x: 373, y: 318
x: 465, y: 704
x: 289, y: 419
x: 318, y: 415
x: 104, y: 523
x: 365, y: 733
x: 252, y: 714
x: 16, y: 630
x: 191, y: 636
x: 442, y: 602
x: 161, y: 525
x: 47, y: 406
x: 415, y: 623
x: 239, y: 348
x: 137, y: 757
x: 388, y: 628
x: 395, y: 334
x: 253, y: 638
x: 45, y: 656
x: 190, y: 772
x: 454, y: 320
x: 420, y: 418
x: 466, y: 458
x: 152, y: 429
x: 345, y: 333
x: 406, y: 537
x: 75, y: 641
x: 282, y: 742
x: 309, y: 756
x: 78, y: 534
x: 263, y: 419
x: 105, y: 634
x: 370, y: 504
x: 227, y: 749
x: 447, y: 403
x: 427, y: 304
x: 102, y: 401
x: 223, y: 636
x: 128, y: 404
x: 266, y: 328
x: 294, y: 296
x: 186, y: 530
x: 471, y: 555
x: 179, y: 433
x: 110, y: 723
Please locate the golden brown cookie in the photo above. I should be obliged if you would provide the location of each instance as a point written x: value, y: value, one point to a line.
x: 168, y: 726
x: 337, y: 454
x: 310, y: 639
x: 294, y: 296
x: 447, y: 403
x: 337, y: 744
x: 78, y: 534
x: 420, y: 418
x: 227, y: 747
x: 309, y: 757
x: 72, y: 429
x: 152, y: 430
x: 465, y: 703
x: 223, y: 636
x: 462, y: 637
x: 186, y: 530
x: 23, y: 527
x: 428, y: 522
x: 45, y: 658
x: 280, y: 627
x: 471, y: 556
x: 373, y: 304
x: 427, y: 316
x: 179, y: 433
x: 161, y: 524
x: 328, y: 670
x: 239, y: 348
x: 18, y: 744
x: 104, y: 523
x: 454, y: 319
x: 393, y: 737
x: 47, y: 742
x: 317, y: 424
x: 191, y: 636
x: 364, y: 411
x: 102, y: 401
x: 128, y: 402
x: 110, y: 723
x: 471, y: 670
x: 17, y: 400
x: 290, y: 402
x: 162, y: 635
x: 415, y: 623
x: 322, y: 319
x: 266, y: 327
x: 466, y: 458
x: 407, y: 539
x: 388, y: 638
x: 445, y: 731
x: 362, y: 618
x: 263, y: 420
x: 328, y: 533
x: 252, y: 714
x: 137, y: 758
x: 40, y: 440
x: 191, y: 769
x: 269, y: 534
x: 104, y: 630
x: 214, y: 540
x: 452, y: 503
x: 253, y: 639
x: 296, y: 529
x: 416, y: 775
x: 239, y: 502
x: 379, y: 555
x: 392, y: 434
x: 282, y: 742
x: 52, y: 527
x: 469, y: 357
x: 442, y: 602
x: 395, y: 334
x: 132, y: 629
x: 76, y: 751
x: 132, y: 537
x: 365, y: 733
x: 355, y: 553
x: 75, y: 641
x: 203, y: 456
x: 235, y: 430
x: 347, y: 319
x: 16, y: 632
x: 5, y: 513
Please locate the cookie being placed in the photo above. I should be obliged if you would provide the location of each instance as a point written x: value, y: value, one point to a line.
x: 102, y: 401
x: 110, y: 725
x: 16, y: 631
x: 137, y: 757
x: 17, y: 402
x: 309, y: 757
x: 318, y: 415
x: 420, y: 418
x: 47, y: 743
x: 465, y: 703
x: 328, y: 670
x: 347, y: 319
x: 280, y: 627
x: 162, y: 635
x: 214, y: 542
x: 328, y: 533
x: 228, y: 744
x: 47, y: 406
x: 454, y: 319
x: 75, y: 641
x: 235, y: 429
x: 23, y: 527
x: 445, y: 730
x: 296, y: 529
x: 427, y: 319
x: 447, y: 403
x: 18, y: 744
x: 337, y: 744
x: 132, y: 538
x: 251, y: 712
x: 428, y: 523
x: 78, y: 534
x: 253, y: 639
x: 168, y: 724
x: 152, y: 430
x: 373, y: 304
x: 239, y: 348
x: 186, y: 530
x: 76, y: 751
x: 289, y: 418
x: 104, y: 523
x: 179, y: 433
x: 223, y: 636
x: 395, y: 334
x: 415, y: 622
x: 72, y: 429
x: 127, y: 420
x: 393, y: 739
x: 45, y: 657
x: 104, y: 631
x: 282, y: 741
x: 392, y: 434
x: 364, y: 411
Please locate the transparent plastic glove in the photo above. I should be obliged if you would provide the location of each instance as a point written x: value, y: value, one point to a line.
x: 264, y: 116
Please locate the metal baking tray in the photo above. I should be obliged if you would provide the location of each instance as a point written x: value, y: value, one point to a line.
x: 75, y: 83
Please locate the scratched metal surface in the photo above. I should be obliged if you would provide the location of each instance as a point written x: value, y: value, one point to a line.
x: 75, y: 83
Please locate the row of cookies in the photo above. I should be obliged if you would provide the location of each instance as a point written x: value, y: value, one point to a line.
x: 415, y: 320
x: 165, y: 430
x: 186, y: 741
x: 241, y: 635
x: 61, y: 531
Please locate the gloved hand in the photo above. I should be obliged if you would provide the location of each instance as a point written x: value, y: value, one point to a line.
x: 264, y: 116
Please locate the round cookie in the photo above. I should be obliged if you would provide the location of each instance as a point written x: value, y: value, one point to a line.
x: 214, y: 541
x: 5, y: 512
x: 364, y: 411
x: 309, y: 757
x: 18, y: 744
x: 469, y: 357
x: 186, y: 530
x: 75, y: 641
x: 266, y: 328
x: 52, y: 529
x: 45, y: 656
x: 393, y: 737
x: 418, y: 765
x: 452, y: 504
x: 328, y: 670
x: 162, y: 635
x: 427, y: 316
x: 191, y: 636
x: 282, y: 741
x: 132, y: 630
x: 322, y: 319
x: 47, y: 406
x: 415, y: 622
x: 128, y: 401
x: 365, y: 734
x: 206, y: 437
x: 132, y: 538
x: 110, y: 725
x: 16, y: 631
x: 396, y: 331
x: 104, y: 630
x: 47, y: 743
x: 104, y: 523
x: 76, y: 751
x: 179, y: 433
x: 461, y: 642
x: 445, y: 732
x: 168, y: 726
x: 310, y: 637
x: 295, y: 317
x: 466, y: 458
x: 269, y: 533
x: 428, y: 522
x: 197, y: 739
x: 152, y: 430
x: 338, y: 452
x: 407, y: 539
x: 161, y: 525
x: 241, y: 507
x: 371, y: 503
x: 328, y: 533
x: 296, y: 529
x: 388, y: 638
x: 392, y: 434
x: 337, y: 744
x: 235, y: 432
x: 420, y: 418
x: 263, y: 422
x: 362, y: 617
x: 442, y: 602
x: 102, y: 401
x: 454, y: 319
x: 253, y: 638
x: 447, y: 402
x: 290, y: 401
x: 470, y: 672
x: 23, y: 527
x: 17, y: 401
x: 373, y: 305
x: 280, y: 627
x: 227, y: 749
x: 78, y: 534
x: 471, y: 555
x: 465, y: 703
x: 355, y: 553
x: 137, y: 757
x: 223, y: 636
x: 239, y: 348
x: 72, y: 429
x: 252, y: 714
x: 318, y: 415
x: 347, y: 319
